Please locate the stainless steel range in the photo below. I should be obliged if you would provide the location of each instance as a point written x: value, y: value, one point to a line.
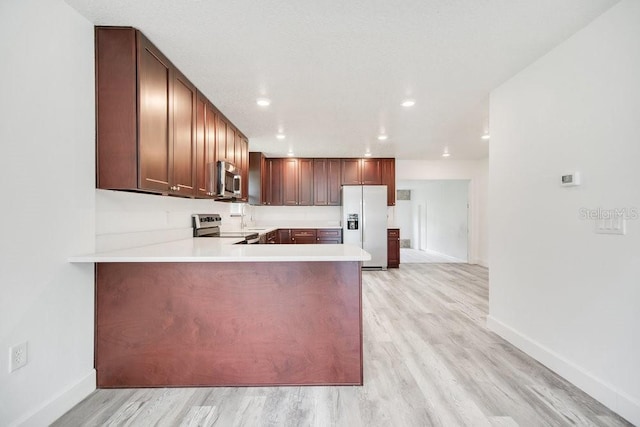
x: 208, y: 225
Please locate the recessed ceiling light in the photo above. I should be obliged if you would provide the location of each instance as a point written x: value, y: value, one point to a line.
x: 485, y: 136
x: 367, y: 154
x: 290, y: 154
x: 382, y: 137
x: 263, y: 102
x: 445, y: 154
x: 408, y: 103
x: 281, y: 136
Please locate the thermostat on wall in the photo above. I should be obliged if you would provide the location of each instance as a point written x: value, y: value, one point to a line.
x: 570, y: 179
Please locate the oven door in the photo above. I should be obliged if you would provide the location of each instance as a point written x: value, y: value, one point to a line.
x: 229, y: 181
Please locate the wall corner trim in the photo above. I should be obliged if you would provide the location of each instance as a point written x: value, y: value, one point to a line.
x: 618, y: 401
x: 58, y: 405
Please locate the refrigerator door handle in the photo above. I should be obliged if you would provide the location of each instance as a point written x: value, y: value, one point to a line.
x: 364, y: 219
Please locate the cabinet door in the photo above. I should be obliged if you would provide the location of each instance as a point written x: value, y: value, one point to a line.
x: 389, y: 179
x: 393, y: 248
x: 320, y: 182
x: 305, y: 182
x: 183, y: 146
x: 201, y: 146
x: 290, y: 182
x: 351, y: 172
x: 238, y: 151
x: 334, y: 182
x: 273, y: 190
x: 284, y: 236
x: 231, y: 144
x: 371, y: 173
x: 155, y: 127
x: 303, y: 236
x: 221, y: 139
x: 211, y: 118
x: 329, y: 236
x: 244, y: 166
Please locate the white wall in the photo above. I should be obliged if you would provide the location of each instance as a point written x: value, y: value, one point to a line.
x: 445, y: 205
x: 476, y: 171
x: 568, y: 296
x: 47, y: 171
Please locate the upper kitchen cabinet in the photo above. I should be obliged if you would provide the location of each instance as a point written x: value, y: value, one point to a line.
x: 265, y: 180
x: 327, y: 180
x: 351, y: 172
x: 297, y: 182
x: 388, y: 167
x: 154, y: 131
x: 146, y: 114
x: 206, y: 115
x: 361, y: 172
x: 371, y: 173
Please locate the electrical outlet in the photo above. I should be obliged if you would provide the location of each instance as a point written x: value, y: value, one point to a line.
x: 18, y: 356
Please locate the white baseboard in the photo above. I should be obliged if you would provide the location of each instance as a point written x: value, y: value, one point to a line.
x: 54, y: 408
x: 608, y: 395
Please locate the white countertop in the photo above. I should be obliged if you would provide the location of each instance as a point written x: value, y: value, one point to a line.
x: 224, y: 250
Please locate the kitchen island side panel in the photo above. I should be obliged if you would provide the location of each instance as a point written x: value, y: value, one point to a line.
x: 226, y: 324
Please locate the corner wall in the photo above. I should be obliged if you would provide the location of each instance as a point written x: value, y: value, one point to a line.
x: 563, y: 294
x: 47, y: 171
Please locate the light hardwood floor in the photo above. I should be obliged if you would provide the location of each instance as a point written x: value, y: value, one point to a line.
x: 415, y: 256
x: 429, y: 361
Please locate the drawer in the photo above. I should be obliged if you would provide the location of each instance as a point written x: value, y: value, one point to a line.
x: 334, y: 233
x: 303, y: 232
x: 393, y: 232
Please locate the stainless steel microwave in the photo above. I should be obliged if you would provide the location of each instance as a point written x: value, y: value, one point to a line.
x: 229, y: 181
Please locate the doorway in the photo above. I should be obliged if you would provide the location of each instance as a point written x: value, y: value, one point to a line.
x: 433, y: 216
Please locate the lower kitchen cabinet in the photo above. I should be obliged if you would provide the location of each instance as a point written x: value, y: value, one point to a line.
x: 393, y: 248
x: 303, y: 236
x: 284, y: 236
x: 306, y: 236
x: 329, y: 236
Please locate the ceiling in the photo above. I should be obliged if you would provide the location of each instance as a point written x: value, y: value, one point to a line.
x: 336, y: 72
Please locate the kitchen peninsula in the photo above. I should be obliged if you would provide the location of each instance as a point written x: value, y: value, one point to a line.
x: 205, y: 312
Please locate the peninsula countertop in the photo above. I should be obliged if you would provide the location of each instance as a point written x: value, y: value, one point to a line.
x: 224, y: 250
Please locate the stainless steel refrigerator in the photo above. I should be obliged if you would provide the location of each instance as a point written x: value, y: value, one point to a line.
x: 364, y: 221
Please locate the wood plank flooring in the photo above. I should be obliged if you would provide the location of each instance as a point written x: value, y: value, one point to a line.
x: 415, y: 256
x: 428, y: 361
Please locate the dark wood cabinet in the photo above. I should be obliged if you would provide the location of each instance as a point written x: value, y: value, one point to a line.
x: 305, y: 182
x: 146, y: 117
x: 284, y: 236
x: 273, y: 178
x: 297, y: 182
x: 388, y: 167
x: 361, y: 172
x: 317, y: 182
x: 272, y: 237
x: 393, y: 248
x: 371, y: 172
x: 326, y: 182
x: 290, y: 182
x: 182, y: 171
x: 351, y: 172
x: 329, y: 235
x: 154, y: 120
x: 307, y: 236
x: 205, y: 148
x: 154, y: 132
x: 303, y: 236
x: 320, y: 182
